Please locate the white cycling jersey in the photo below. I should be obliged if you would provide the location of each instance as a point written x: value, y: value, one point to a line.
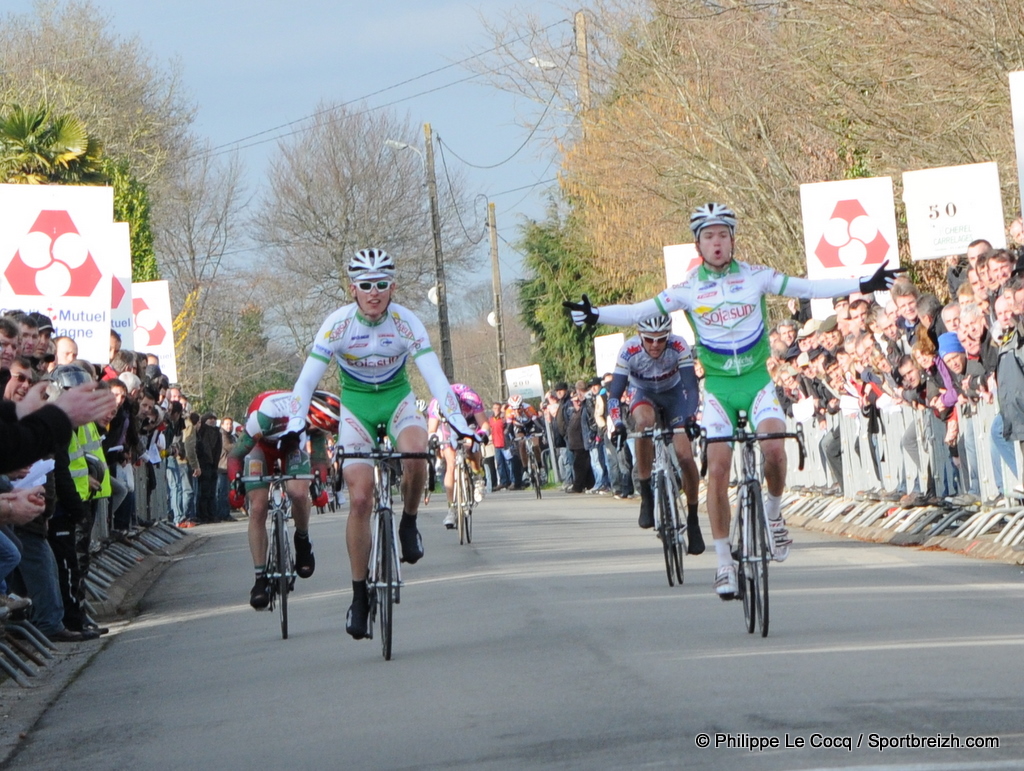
x: 653, y: 375
x: 372, y: 356
x: 727, y: 311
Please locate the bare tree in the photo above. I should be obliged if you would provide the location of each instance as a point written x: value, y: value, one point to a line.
x: 339, y: 187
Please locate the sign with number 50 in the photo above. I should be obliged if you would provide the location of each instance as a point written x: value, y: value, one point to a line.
x: 950, y: 207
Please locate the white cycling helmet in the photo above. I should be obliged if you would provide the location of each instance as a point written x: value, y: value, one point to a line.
x: 368, y: 264
x: 712, y: 214
x: 656, y: 325
x: 515, y: 401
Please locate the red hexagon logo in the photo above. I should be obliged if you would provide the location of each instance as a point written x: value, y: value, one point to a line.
x: 116, y: 292
x: 851, y: 239
x: 146, y: 320
x: 53, y: 260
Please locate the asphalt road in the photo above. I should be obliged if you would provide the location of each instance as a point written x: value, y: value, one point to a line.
x: 554, y: 642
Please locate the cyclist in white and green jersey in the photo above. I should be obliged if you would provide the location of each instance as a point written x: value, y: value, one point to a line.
x: 372, y: 339
x: 724, y: 302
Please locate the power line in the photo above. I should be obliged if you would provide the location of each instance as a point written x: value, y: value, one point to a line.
x: 238, y: 143
x: 529, y: 136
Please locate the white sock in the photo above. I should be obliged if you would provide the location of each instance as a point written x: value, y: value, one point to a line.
x: 724, y: 551
x: 772, y: 505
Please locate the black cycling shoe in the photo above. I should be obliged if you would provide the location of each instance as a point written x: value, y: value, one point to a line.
x: 259, y: 597
x: 305, y: 562
x: 694, y: 539
x: 646, y: 505
x: 356, y: 621
x: 412, y: 543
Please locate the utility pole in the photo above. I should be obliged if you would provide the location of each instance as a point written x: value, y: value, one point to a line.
x: 442, y: 293
x: 583, y: 82
x: 496, y: 281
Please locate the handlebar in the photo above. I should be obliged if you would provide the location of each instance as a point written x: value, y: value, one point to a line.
x: 749, y: 437
x: 386, y: 455
x: 271, y: 478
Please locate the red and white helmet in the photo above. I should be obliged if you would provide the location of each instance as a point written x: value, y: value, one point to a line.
x: 325, y: 411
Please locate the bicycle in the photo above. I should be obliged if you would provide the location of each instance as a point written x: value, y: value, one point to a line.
x: 280, y: 567
x: 464, y: 498
x: 665, y: 484
x: 751, y: 532
x: 384, y: 575
x: 526, y: 447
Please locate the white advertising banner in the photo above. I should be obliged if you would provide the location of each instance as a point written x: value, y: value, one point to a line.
x: 153, y: 330
x: 606, y: 352
x: 525, y: 381
x: 1017, y: 107
x: 122, y: 320
x: 680, y: 259
x: 949, y: 207
x: 849, y: 230
x: 55, y: 259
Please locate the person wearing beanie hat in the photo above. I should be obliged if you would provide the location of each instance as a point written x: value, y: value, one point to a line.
x: 952, y: 353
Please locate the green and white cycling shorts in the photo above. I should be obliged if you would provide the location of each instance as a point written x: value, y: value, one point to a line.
x: 724, y: 397
x: 363, y: 410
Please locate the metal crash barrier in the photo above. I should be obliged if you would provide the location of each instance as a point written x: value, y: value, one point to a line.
x: 24, y: 650
x: 903, y: 484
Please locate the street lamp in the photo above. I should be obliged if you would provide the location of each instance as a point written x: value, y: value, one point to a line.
x: 444, y: 332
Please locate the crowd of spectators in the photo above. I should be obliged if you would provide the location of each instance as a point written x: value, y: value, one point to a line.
x: 84, y: 441
x: 942, y: 357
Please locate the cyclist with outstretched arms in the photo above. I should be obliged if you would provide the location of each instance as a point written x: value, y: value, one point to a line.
x: 658, y: 366
x: 472, y: 409
x: 372, y: 340
x: 724, y: 302
x: 274, y: 443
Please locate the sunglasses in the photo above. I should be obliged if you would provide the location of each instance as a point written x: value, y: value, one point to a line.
x: 381, y: 286
x: 21, y: 378
x: 653, y: 340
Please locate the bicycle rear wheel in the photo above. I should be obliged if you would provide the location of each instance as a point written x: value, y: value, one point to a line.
x: 282, y: 577
x: 385, y: 589
x: 663, y: 524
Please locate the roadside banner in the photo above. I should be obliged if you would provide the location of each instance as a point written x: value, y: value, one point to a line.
x: 154, y: 333
x: 122, y: 319
x: 606, y: 352
x: 55, y: 258
x: 680, y: 259
x: 949, y: 207
x: 1017, y: 107
x: 525, y: 381
x: 849, y: 230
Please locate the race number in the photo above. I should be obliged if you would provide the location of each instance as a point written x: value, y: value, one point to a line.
x: 949, y: 207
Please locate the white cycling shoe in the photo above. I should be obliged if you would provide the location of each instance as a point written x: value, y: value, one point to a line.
x: 478, y: 490
x: 726, y: 583
x: 450, y: 519
x: 780, y: 539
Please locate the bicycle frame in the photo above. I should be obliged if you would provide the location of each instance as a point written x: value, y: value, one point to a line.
x: 666, y: 476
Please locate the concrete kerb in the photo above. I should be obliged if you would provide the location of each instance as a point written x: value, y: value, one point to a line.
x: 21, y: 708
x: 871, y: 521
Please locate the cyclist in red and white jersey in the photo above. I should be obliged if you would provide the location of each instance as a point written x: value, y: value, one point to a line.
x: 273, y: 442
x: 659, y: 367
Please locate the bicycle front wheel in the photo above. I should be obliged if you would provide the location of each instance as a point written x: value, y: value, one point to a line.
x: 663, y: 524
x: 535, y: 476
x: 386, y: 579
x: 676, y: 529
x: 282, y: 555
x: 743, y: 553
x: 762, y: 556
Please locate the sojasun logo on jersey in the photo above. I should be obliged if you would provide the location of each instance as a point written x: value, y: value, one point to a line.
x: 725, y: 315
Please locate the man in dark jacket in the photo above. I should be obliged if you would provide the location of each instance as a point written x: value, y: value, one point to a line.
x: 208, y: 447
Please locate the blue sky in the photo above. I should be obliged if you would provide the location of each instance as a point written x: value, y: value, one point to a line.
x: 254, y: 66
